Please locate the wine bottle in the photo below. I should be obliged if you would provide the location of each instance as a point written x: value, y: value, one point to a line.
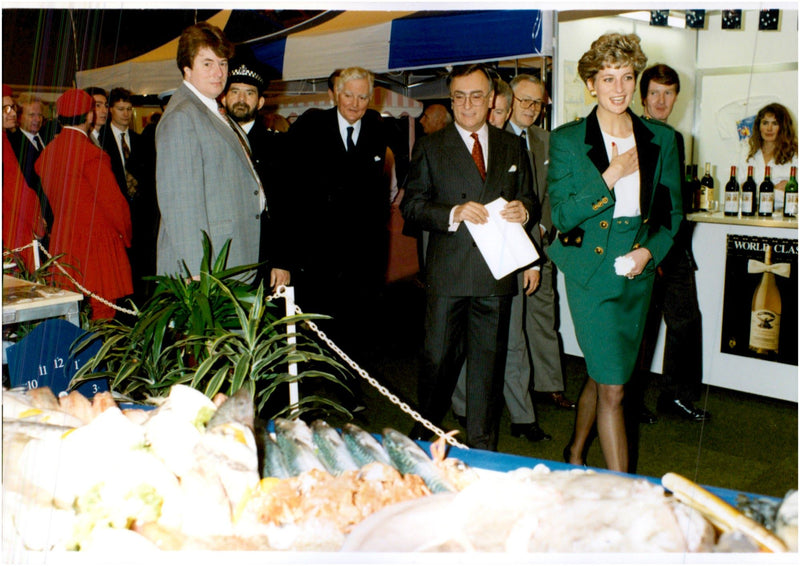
x: 765, y: 313
x: 790, y: 195
x: 707, y: 189
x: 732, y: 194
x: 766, y: 195
x: 749, y: 194
x: 696, y: 187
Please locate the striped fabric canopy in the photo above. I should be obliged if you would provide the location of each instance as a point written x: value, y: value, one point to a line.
x: 391, y: 41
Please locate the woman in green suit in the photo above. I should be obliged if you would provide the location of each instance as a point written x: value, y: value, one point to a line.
x: 614, y: 183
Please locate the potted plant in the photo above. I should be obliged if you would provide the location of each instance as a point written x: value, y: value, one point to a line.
x: 213, y: 332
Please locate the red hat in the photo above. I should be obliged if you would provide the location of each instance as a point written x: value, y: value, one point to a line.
x: 7, y: 91
x: 74, y: 102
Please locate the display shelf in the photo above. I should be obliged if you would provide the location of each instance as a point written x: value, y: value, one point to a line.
x: 762, y: 221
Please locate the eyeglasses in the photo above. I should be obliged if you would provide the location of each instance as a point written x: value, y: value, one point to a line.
x: 9, y: 108
x: 476, y: 97
x: 528, y: 102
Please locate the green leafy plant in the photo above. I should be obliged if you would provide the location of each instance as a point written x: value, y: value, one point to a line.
x: 213, y: 332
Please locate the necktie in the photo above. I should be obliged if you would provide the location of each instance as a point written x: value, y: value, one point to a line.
x: 477, y: 156
x: 350, y: 145
x: 126, y: 151
x: 38, y: 142
x: 130, y: 180
x: 524, y: 136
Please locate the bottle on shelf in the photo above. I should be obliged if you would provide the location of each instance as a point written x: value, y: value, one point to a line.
x: 766, y: 195
x: 790, y: 195
x: 707, y: 189
x: 732, y: 194
x: 749, y: 194
x: 696, y: 187
x: 765, y: 311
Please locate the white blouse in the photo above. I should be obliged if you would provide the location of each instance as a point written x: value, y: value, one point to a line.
x: 626, y: 190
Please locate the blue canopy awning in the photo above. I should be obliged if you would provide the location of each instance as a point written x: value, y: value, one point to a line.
x: 393, y: 41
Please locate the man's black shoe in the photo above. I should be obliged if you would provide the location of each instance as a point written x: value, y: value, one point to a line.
x: 683, y: 409
x: 531, y: 431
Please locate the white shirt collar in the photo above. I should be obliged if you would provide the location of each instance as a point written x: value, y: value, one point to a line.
x: 344, y: 124
x: 248, y: 126
x: 117, y: 131
x: 483, y: 137
x: 211, y: 103
x: 28, y: 135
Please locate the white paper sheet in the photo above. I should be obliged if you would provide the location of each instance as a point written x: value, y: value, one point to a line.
x: 505, y: 246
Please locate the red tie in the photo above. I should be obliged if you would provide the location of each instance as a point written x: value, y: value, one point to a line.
x: 477, y: 156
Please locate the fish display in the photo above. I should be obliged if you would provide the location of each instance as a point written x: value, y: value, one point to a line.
x: 332, y: 449
x: 193, y: 474
x: 409, y: 458
x: 273, y: 465
x: 364, y: 447
x: 297, y: 445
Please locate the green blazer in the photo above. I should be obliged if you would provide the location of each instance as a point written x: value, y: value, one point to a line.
x: 583, y: 207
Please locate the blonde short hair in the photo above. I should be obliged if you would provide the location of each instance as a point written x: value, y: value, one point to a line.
x: 612, y: 50
x: 351, y: 74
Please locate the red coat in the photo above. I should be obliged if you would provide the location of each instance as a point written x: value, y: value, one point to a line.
x: 22, y: 215
x: 91, y: 219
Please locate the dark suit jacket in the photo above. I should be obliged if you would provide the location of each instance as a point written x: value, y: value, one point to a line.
x: 583, y: 207
x: 141, y: 163
x: 269, y: 158
x: 144, y: 204
x: 340, y: 200
x: 27, y: 155
x: 443, y: 175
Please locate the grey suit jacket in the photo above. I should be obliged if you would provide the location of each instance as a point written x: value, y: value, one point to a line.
x: 204, y: 182
x: 442, y: 175
x: 539, y: 142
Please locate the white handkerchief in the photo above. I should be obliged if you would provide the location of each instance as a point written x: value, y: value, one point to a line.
x: 623, y: 265
x: 512, y: 168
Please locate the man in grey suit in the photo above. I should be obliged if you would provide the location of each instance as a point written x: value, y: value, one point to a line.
x: 205, y: 179
x: 454, y: 173
x: 539, y: 308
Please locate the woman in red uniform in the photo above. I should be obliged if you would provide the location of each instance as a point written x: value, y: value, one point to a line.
x: 92, y: 222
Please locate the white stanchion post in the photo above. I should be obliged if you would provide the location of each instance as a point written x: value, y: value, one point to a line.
x: 36, y: 254
x: 294, y: 395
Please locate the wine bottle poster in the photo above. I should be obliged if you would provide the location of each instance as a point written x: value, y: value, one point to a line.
x: 759, y: 311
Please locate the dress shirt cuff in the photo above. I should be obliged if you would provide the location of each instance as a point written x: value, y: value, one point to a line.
x: 451, y: 225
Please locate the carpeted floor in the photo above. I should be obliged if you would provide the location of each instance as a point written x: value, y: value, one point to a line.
x: 750, y: 444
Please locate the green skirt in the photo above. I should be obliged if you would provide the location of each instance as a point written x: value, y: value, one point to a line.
x: 609, y: 313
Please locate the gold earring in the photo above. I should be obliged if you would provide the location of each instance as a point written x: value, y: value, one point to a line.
x: 593, y: 92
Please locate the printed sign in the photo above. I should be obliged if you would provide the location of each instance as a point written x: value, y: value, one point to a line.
x: 759, y: 311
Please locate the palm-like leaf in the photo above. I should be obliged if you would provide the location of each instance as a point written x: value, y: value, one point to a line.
x: 214, y: 333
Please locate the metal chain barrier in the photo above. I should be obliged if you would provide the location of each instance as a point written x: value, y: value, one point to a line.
x: 83, y: 289
x: 405, y: 407
x: 281, y: 293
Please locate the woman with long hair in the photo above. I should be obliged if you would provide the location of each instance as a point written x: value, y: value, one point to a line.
x: 773, y: 143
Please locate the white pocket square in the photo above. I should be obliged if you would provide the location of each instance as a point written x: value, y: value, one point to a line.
x: 377, y: 158
x: 512, y: 169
